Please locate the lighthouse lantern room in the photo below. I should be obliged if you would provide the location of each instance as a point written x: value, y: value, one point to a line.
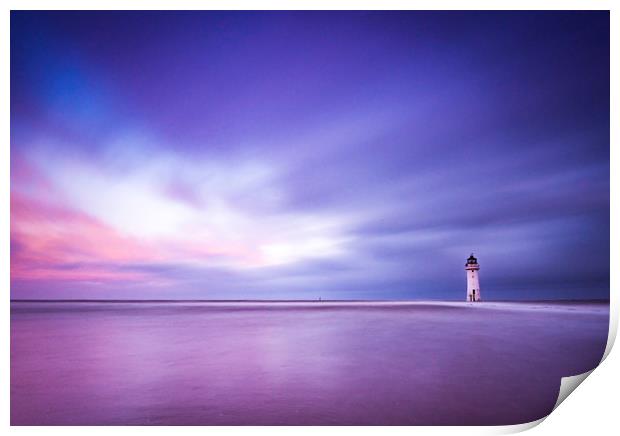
x: 473, y: 284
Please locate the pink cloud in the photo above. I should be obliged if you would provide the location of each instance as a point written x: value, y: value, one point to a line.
x: 54, y: 242
x: 51, y: 241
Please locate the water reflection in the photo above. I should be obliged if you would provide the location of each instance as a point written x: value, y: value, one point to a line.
x: 236, y: 363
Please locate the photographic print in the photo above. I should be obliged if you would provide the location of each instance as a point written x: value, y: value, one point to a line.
x: 306, y: 217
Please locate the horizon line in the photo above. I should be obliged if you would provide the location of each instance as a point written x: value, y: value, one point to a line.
x: 86, y: 300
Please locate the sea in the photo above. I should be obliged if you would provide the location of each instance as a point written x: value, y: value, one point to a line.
x: 297, y: 363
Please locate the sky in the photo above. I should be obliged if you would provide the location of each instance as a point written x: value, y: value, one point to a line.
x: 306, y: 155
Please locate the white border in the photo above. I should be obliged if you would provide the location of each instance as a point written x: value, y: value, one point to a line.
x: 594, y: 409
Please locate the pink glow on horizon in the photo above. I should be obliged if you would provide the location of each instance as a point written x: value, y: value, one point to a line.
x: 79, y: 218
x: 53, y: 241
x: 47, y: 237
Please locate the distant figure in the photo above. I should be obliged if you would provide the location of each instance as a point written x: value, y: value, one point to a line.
x: 473, y: 284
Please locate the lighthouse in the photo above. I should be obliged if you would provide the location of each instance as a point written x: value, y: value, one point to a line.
x: 473, y: 284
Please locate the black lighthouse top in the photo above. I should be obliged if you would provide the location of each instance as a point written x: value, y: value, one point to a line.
x: 471, y: 260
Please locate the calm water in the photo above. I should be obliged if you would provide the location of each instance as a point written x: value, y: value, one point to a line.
x: 294, y: 363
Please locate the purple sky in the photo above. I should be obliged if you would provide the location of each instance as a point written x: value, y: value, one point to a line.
x: 342, y: 155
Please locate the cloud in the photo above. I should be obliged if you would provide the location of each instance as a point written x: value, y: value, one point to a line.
x: 368, y: 164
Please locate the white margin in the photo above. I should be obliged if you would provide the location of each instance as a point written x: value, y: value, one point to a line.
x: 291, y: 5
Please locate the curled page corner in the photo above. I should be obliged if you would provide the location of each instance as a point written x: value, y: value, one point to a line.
x: 518, y: 428
x: 568, y: 385
x: 611, y: 336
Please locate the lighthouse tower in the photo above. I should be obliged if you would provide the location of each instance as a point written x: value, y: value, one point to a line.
x: 473, y: 284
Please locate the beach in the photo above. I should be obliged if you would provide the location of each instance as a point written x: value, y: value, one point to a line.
x: 297, y: 363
